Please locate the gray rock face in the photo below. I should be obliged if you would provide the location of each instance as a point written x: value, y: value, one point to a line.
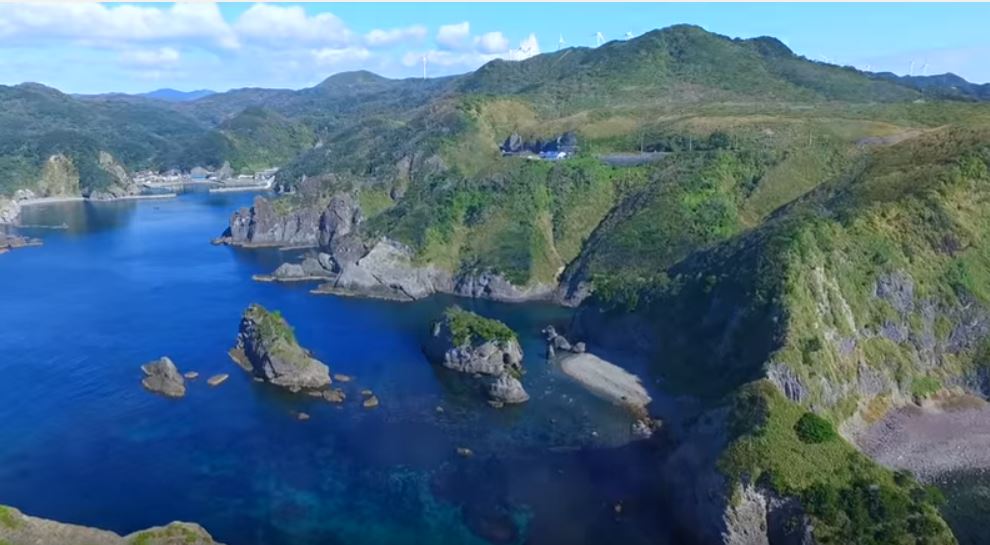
x: 288, y: 271
x: 341, y: 217
x: 121, y: 185
x: 488, y: 285
x: 162, y: 377
x: 267, y: 348
x: 493, y: 358
x: 387, y: 271
x: 262, y: 225
x: 507, y: 389
x: 706, y: 505
x: 17, y: 528
x: 501, y: 359
x: 10, y: 211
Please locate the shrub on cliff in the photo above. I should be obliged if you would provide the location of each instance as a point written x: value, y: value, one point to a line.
x: 811, y: 428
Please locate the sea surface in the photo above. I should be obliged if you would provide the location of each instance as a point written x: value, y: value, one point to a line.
x: 123, y: 283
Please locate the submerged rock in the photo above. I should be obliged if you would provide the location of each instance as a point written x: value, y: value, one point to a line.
x: 370, y: 402
x: 217, y: 380
x: 162, y: 377
x: 507, y: 389
x: 334, y: 395
x: 267, y: 348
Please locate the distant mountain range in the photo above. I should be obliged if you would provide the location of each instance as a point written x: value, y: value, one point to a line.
x: 943, y: 85
x: 173, y: 95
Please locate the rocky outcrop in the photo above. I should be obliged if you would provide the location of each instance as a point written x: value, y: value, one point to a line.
x: 566, y: 142
x: 264, y: 225
x: 467, y: 343
x: 10, y: 241
x: 162, y: 377
x: 341, y: 217
x: 507, y: 389
x: 121, y: 183
x: 387, y: 271
x: 10, y: 211
x: 713, y: 510
x: 494, y: 286
x: 267, y: 348
x: 16, y: 528
x: 59, y: 177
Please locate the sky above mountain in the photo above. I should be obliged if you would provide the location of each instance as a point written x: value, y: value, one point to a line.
x: 94, y: 48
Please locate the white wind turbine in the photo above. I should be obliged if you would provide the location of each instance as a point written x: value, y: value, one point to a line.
x: 599, y: 39
x: 561, y: 42
x: 629, y: 35
x: 424, y: 67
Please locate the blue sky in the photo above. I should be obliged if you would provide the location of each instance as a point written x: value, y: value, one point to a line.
x: 88, y: 48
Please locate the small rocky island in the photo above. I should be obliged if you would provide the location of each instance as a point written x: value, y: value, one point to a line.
x: 16, y: 528
x: 163, y: 377
x: 267, y: 348
x: 468, y: 343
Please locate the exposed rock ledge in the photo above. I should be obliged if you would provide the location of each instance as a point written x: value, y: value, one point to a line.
x: 10, y: 242
x: 267, y: 348
x: 465, y: 342
x: 17, y: 528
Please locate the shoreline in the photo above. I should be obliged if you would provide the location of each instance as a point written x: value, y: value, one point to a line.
x: 943, y: 436
x: 56, y: 200
x: 606, y: 380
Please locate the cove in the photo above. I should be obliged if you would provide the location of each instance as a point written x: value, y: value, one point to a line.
x: 128, y: 282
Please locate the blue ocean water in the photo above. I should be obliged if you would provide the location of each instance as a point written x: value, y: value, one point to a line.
x: 128, y: 282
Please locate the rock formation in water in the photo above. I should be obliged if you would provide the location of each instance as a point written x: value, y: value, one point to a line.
x: 162, y: 377
x: 267, y: 348
x: 17, y: 528
x: 465, y: 342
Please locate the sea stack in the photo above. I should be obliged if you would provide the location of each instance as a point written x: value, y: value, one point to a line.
x: 468, y: 343
x: 267, y: 348
x: 162, y: 377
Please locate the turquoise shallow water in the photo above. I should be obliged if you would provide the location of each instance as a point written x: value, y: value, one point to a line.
x: 128, y: 282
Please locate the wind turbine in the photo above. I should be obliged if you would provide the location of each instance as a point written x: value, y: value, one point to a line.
x: 629, y: 35
x: 599, y: 39
x: 424, y: 67
x: 911, y: 69
x: 561, y: 42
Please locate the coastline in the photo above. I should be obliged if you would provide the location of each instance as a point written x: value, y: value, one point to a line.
x: 943, y: 436
x: 55, y: 200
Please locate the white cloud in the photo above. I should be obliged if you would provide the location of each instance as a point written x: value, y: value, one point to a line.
x: 492, y: 42
x: 102, y: 25
x: 151, y: 58
x: 482, y: 53
x: 386, y: 37
x: 285, y: 26
x: 340, y: 56
x: 454, y: 36
x: 528, y: 47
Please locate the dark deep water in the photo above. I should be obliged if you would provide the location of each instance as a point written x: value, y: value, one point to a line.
x: 128, y: 282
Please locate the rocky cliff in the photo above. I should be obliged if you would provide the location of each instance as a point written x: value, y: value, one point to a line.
x: 267, y: 348
x: 16, y: 528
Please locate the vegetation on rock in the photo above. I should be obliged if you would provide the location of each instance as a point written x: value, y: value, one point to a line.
x: 469, y: 328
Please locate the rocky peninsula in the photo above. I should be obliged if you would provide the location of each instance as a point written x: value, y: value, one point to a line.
x: 16, y: 528
x: 465, y: 342
x: 351, y: 260
x: 267, y: 348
